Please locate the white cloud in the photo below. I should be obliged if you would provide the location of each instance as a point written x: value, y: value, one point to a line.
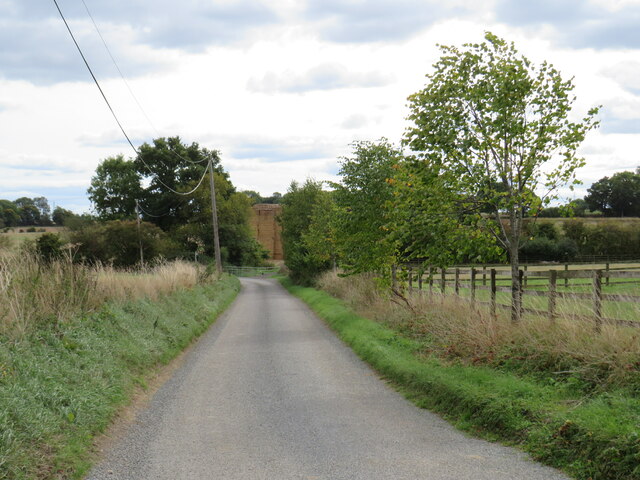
x: 282, y: 96
x: 328, y: 76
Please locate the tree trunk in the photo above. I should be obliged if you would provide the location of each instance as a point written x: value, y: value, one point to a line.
x: 516, y: 299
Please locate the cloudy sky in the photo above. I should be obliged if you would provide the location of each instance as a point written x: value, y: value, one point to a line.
x: 280, y: 87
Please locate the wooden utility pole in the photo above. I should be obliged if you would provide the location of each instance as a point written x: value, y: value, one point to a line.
x: 139, y: 234
x: 214, y: 215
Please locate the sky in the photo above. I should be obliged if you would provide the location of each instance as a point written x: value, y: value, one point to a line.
x: 281, y: 88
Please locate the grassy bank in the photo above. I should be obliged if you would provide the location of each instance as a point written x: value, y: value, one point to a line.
x: 62, y: 382
x: 564, y: 421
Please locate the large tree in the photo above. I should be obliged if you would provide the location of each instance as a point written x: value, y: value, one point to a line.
x: 168, y: 166
x: 362, y: 198
x: 176, y: 198
x: 497, y: 128
x: 298, y: 206
x: 616, y: 196
x: 115, y: 188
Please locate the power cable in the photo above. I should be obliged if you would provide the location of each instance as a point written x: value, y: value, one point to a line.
x: 150, y: 215
x: 115, y: 63
x: 94, y: 77
x: 175, y: 191
x: 114, y: 114
x: 118, y: 68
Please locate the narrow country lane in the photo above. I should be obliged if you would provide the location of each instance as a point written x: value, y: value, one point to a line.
x: 270, y: 393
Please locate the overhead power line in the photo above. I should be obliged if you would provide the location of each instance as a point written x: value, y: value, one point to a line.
x: 94, y: 77
x: 118, y: 68
x: 114, y: 113
x: 133, y: 95
x: 149, y: 214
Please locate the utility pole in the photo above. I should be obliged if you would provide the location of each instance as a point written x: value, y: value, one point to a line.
x: 139, y: 234
x: 214, y: 215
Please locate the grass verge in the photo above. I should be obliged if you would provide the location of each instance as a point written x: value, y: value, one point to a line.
x: 588, y: 437
x: 61, y: 385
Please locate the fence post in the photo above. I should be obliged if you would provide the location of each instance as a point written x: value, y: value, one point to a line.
x: 526, y: 279
x: 521, y: 292
x: 566, y: 277
x: 430, y: 280
x: 597, y: 298
x: 456, y: 285
x: 553, y: 277
x: 607, y: 277
x: 484, y: 276
x: 443, y: 280
x: 493, y: 292
x: 420, y: 274
x: 473, y: 286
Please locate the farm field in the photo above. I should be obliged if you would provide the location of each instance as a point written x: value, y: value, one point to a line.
x: 18, y: 235
x: 558, y: 221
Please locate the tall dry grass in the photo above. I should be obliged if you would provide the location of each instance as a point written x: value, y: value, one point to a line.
x: 35, y: 293
x: 450, y: 328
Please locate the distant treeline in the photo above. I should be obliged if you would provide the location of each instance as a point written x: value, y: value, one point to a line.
x: 574, y: 239
x: 31, y: 211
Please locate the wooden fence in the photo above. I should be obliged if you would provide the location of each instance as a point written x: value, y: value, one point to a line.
x: 442, y: 281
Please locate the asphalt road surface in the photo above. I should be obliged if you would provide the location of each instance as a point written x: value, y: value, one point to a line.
x: 270, y: 393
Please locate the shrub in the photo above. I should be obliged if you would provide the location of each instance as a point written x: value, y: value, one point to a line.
x: 118, y: 243
x: 546, y: 249
x: 49, y: 246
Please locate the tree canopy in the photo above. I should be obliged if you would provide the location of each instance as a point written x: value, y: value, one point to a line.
x: 160, y: 179
x: 616, y: 196
x: 492, y: 128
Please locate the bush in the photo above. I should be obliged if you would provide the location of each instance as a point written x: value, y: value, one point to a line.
x: 117, y: 242
x: 604, y: 239
x: 49, y: 246
x: 546, y: 249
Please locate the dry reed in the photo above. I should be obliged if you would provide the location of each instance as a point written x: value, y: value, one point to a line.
x: 34, y: 292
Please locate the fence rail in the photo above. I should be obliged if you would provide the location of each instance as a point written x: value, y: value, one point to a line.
x: 441, y: 281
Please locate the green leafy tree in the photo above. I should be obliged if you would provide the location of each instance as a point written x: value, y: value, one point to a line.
x: 115, y: 188
x: 42, y: 204
x: 169, y: 165
x: 362, y: 199
x: 237, y: 244
x: 320, y: 238
x: 9, y: 215
x: 49, y: 246
x: 488, y: 117
x: 29, y: 215
x: 430, y: 222
x: 61, y: 215
x: 297, y: 214
x: 616, y: 196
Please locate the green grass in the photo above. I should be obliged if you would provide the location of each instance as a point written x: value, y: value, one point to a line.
x: 590, y: 437
x: 61, y: 386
